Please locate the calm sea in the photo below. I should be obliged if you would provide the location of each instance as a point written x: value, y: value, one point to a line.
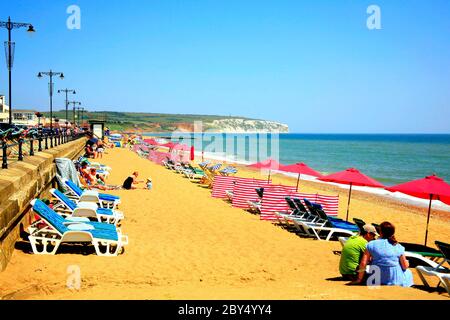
x: 389, y: 158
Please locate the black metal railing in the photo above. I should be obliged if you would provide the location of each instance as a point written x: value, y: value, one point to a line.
x: 23, y: 147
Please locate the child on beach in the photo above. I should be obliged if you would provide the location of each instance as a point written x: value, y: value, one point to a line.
x: 100, y: 149
x: 149, y: 184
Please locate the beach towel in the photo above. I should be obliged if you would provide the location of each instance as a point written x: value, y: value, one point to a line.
x: 65, y: 169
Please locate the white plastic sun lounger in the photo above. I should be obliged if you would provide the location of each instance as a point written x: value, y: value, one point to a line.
x: 106, y: 238
x: 80, y: 195
x: 317, y: 230
x: 439, y: 271
x: 85, y: 209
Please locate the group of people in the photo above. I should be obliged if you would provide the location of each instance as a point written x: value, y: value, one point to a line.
x: 382, y: 252
x: 94, y: 147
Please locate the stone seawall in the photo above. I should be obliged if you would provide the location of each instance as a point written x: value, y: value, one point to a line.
x: 22, y: 182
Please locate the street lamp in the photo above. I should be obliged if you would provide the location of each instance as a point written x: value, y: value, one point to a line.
x: 51, y: 74
x: 74, y: 104
x: 9, y: 47
x: 80, y: 120
x: 67, y: 91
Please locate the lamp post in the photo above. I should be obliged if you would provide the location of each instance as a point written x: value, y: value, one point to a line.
x: 10, y: 46
x: 74, y: 104
x: 82, y: 114
x: 51, y: 74
x: 80, y: 119
x: 67, y: 91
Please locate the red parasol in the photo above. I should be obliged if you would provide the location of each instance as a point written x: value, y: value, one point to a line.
x: 301, y: 168
x: 192, y: 157
x: 431, y: 187
x: 269, y: 164
x: 352, y: 177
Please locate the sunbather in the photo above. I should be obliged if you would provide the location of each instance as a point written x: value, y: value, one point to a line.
x: 389, y: 257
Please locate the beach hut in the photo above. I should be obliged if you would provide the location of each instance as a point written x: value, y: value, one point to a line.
x: 352, y: 177
x: 431, y: 187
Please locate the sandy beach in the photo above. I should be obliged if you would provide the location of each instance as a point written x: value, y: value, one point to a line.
x: 183, y: 244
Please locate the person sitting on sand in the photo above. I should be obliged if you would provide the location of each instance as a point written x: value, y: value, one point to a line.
x: 389, y: 258
x: 353, y: 251
x: 129, y: 182
x: 149, y: 184
x: 89, y: 151
x: 84, y: 170
x: 94, y: 181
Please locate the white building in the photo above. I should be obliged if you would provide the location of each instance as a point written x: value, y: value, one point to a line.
x: 4, y: 110
x: 27, y: 117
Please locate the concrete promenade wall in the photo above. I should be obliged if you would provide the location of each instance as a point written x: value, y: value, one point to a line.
x: 22, y: 182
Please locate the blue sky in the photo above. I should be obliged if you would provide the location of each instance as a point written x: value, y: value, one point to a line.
x: 311, y: 64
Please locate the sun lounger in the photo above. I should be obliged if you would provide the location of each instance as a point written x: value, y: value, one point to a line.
x: 302, y: 219
x: 283, y: 217
x: 332, y: 226
x: 104, y: 200
x: 85, y: 209
x: 441, y: 272
x: 106, y: 238
x: 192, y: 173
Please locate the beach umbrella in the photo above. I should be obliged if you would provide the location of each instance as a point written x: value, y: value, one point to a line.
x: 431, y: 187
x: 269, y: 164
x: 301, y: 168
x: 192, y: 157
x: 352, y: 177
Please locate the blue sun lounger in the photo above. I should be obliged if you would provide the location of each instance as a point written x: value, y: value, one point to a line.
x: 104, y: 200
x: 106, y: 238
x: 85, y: 209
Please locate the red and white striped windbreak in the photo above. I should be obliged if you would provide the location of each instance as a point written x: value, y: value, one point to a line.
x: 222, y: 184
x: 244, y: 191
x: 157, y: 156
x: 274, y: 200
x: 330, y: 204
